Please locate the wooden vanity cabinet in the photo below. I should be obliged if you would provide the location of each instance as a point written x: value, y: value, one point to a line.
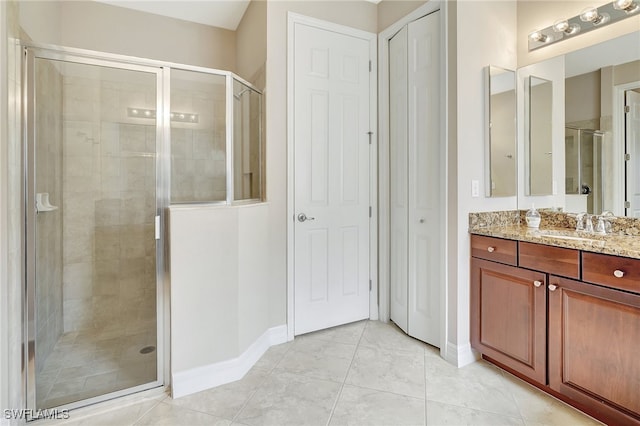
x: 594, y: 348
x: 508, y: 316
x: 578, y: 339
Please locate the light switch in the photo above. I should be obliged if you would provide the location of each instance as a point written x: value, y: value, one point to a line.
x: 475, y: 188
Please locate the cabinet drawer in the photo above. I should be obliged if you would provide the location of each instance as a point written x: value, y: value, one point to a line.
x: 612, y: 271
x: 496, y: 249
x: 553, y: 260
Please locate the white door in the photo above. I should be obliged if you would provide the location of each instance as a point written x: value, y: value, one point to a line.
x: 416, y: 179
x: 398, y: 180
x: 425, y: 177
x: 633, y: 149
x: 331, y: 172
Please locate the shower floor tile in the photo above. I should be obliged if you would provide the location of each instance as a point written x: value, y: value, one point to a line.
x: 90, y: 363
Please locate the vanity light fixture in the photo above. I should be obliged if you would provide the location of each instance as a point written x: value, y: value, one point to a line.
x: 589, y: 19
x: 183, y: 117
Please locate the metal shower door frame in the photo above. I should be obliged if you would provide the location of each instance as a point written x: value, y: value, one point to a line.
x: 54, y: 53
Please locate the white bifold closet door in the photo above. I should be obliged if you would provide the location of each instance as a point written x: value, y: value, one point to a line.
x: 416, y: 183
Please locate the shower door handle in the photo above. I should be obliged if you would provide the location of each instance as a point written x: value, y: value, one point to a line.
x: 157, y: 227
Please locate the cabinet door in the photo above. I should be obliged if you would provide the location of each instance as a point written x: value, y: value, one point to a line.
x: 594, y: 342
x: 508, y: 316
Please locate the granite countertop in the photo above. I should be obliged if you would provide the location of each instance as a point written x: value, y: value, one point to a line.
x: 558, y: 229
x: 613, y: 244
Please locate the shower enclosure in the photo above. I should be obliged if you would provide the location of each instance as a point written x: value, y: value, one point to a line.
x: 110, y: 143
x: 583, y: 166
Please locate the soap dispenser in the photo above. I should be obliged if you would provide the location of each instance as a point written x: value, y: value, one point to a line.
x: 533, y: 217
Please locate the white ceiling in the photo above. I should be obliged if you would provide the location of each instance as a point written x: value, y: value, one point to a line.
x: 219, y: 13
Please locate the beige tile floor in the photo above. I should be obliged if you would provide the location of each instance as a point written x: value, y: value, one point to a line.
x: 92, y: 362
x: 366, y: 373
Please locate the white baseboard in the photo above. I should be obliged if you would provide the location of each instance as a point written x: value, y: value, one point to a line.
x: 460, y: 355
x: 209, y: 376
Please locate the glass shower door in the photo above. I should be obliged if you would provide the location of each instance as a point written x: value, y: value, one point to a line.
x: 92, y: 269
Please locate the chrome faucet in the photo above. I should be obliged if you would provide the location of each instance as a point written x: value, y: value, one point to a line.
x: 580, y: 221
x: 588, y: 224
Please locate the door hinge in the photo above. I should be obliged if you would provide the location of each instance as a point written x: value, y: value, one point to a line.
x: 370, y: 285
x: 627, y: 205
x: 157, y: 227
x: 627, y: 109
x: 370, y: 136
x: 370, y: 211
x: 627, y: 157
x: 370, y: 66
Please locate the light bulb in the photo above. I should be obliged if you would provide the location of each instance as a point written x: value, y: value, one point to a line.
x: 134, y: 111
x: 628, y: 6
x: 589, y: 14
x: 561, y: 26
x: 538, y: 36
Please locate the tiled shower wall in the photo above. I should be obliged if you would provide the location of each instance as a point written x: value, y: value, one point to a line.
x: 49, y: 224
x: 109, y: 205
x: 198, y: 162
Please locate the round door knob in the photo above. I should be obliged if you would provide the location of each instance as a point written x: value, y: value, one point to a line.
x: 491, y: 249
x: 421, y: 220
x: 618, y: 273
x: 303, y: 217
x: 537, y: 283
x: 552, y: 287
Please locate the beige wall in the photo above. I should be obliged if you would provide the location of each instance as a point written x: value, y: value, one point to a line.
x: 582, y: 97
x: 251, y: 43
x: 41, y: 20
x: 494, y: 45
x: 390, y: 11
x: 536, y: 14
x: 97, y: 26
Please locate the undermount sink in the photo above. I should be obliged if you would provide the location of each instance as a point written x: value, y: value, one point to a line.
x: 568, y: 235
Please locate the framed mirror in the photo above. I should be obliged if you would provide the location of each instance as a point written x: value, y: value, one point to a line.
x: 500, y: 133
x: 538, y: 131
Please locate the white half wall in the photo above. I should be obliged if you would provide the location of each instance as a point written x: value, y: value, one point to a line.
x: 219, y: 293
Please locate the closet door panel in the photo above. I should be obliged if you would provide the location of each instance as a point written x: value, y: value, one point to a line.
x: 398, y: 157
x: 424, y: 179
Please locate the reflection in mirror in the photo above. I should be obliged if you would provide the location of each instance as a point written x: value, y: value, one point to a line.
x: 500, y: 162
x: 539, y: 138
x: 583, y: 169
x: 600, y: 81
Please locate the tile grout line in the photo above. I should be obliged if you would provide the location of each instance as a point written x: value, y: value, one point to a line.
x: 257, y: 388
x: 424, y: 375
x: 136, y: 421
x: 503, y: 380
x: 335, y: 403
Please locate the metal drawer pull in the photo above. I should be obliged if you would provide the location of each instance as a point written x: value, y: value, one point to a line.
x: 552, y: 287
x: 618, y: 273
x: 537, y: 283
x: 491, y: 249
